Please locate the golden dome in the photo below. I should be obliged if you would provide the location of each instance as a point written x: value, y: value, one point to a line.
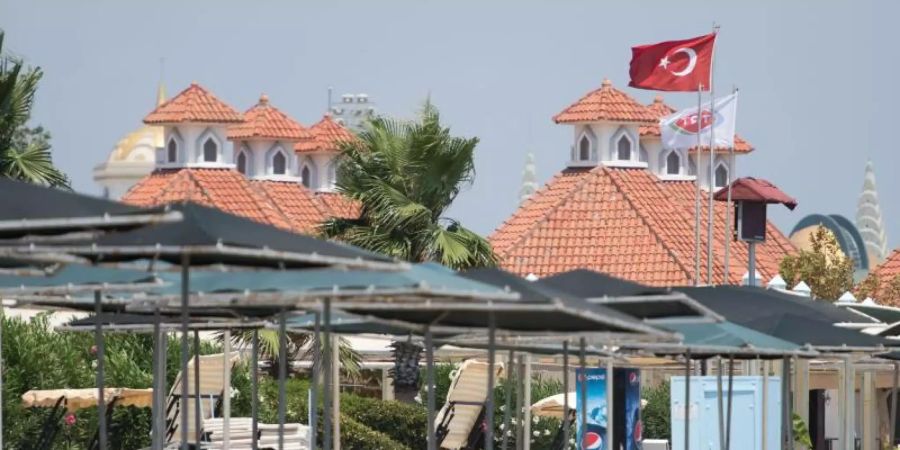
x: 140, y: 144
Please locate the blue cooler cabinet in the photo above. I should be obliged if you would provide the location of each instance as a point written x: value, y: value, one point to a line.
x: 746, y: 416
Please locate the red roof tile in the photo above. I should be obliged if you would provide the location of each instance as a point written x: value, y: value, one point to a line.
x: 886, y: 272
x: 339, y: 206
x: 264, y: 121
x: 327, y: 135
x: 285, y: 205
x: 625, y: 222
x: 660, y: 109
x: 194, y: 104
x: 606, y: 103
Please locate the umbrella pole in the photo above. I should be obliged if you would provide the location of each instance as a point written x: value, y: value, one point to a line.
x: 893, y: 426
x: 489, y: 404
x: 519, y: 402
x: 198, y: 419
x: 526, y: 399
x: 786, y: 403
x: 687, y: 400
x: 582, y: 356
x: 185, y: 351
x: 507, y: 401
x: 314, y: 388
x: 429, y: 381
x: 163, y: 387
x: 326, y: 358
x: 155, y: 406
x: 720, y: 406
x: 226, y: 401
x: 282, y: 377
x: 101, y: 363
x: 254, y: 390
x: 730, y: 396
x: 565, y: 380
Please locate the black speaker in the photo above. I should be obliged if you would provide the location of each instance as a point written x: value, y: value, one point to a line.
x: 750, y: 221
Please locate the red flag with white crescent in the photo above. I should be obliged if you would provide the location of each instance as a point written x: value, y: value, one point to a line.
x: 674, y: 65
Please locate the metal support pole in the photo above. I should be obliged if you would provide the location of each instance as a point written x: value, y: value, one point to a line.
x: 314, y: 388
x: 751, y: 263
x: 336, y: 391
x: 282, y: 376
x: 226, y: 400
x: 520, y: 390
x: 101, y: 366
x: 429, y: 382
x: 565, y: 418
x: 163, y: 388
x: 893, y: 425
x: 786, y: 422
x: 185, y: 350
x: 582, y: 400
x: 526, y: 400
x: 610, y: 407
x: 507, y: 400
x: 489, y: 404
x: 764, y: 426
x: 254, y: 391
x: 198, y: 420
x: 730, y: 395
x: 697, y: 155
x: 326, y: 374
x: 687, y: 400
x: 155, y: 430
x: 720, y: 403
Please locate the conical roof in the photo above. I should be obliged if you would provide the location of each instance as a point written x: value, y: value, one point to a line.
x: 606, y: 104
x: 194, y: 104
x: 868, y: 219
x: 327, y: 135
x: 264, y: 121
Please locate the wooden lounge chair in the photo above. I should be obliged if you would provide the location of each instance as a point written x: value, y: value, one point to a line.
x: 212, y: 387
x: 460, y: 421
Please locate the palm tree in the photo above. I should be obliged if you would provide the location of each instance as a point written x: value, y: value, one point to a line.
x: 404, y: 175
x: 24, y: 152
x: 300, y: 346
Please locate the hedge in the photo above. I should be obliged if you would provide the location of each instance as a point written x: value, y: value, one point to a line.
x: 403, y: 422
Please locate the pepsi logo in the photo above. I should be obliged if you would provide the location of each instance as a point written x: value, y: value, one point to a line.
x: 638, y: 431
x: 592, y: 441
x: 633, y: 377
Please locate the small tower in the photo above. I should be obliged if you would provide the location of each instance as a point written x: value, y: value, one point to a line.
x: 264, y: 143
x: 868, y: 219
x: 318, y: 154
x: 529, y: 179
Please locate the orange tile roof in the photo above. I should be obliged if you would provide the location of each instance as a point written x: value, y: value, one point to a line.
x: 886, y: 272
x: 606, y: 103
x: 624, y: 222
x: 327, y: 135
x: 286, y: 205
x: 338, y: 205
x: 264, y: 121
x: 660, y: 109
x: 194, y: 104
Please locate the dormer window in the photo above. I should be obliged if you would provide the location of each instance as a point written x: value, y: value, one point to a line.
x: 584, y: 148
x: 673, y: 163
x: 172, y: 151
x: 623, y: 149
x: 242, y: 163
x: 306, y: 176
x: 279, y: 164
x: 210, y: 151
x: 721, y: 176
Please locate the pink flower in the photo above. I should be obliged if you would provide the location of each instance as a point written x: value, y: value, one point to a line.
x: 93, y: 350
x: 70, y: 419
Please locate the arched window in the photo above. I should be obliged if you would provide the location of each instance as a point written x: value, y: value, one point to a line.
x: 242, y: 163
x: 673, y: 164
x: 306, y: 176
x: 172, y: 151
x: 623, y: 149
x: 210, y: 150
x: 584, y: 149
x: 279, y: 164
x: 721, y: 176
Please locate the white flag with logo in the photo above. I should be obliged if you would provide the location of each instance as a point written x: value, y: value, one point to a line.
x: 680, y: 130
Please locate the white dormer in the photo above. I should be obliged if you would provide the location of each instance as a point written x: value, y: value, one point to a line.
x: 264, y: 144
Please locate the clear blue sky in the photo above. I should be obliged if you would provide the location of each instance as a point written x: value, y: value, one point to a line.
x: 817, y: 79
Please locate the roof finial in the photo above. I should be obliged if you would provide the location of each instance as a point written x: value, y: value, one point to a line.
x: 161, y: 88
x: 263, y: 99
x: 606, y: 82
x: 658, y: 99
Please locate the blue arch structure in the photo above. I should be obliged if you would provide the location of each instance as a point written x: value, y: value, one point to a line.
x: 844, y: 231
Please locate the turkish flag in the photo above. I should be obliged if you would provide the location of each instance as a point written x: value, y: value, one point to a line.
x: 674, y: 65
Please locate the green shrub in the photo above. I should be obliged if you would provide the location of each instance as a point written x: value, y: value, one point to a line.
x: 403, y: 422
x: 655, y: 415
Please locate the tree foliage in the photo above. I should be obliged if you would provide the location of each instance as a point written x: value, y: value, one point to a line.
x: 884, y: 291
x: 24, y: 152
x: 405, y: 175
x: 825, y: 268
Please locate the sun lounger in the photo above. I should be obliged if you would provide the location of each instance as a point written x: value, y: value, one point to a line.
x: 212, y: 386
x: 460, y: 420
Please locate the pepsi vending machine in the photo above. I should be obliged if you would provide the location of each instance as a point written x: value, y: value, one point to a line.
x: 626, y: 409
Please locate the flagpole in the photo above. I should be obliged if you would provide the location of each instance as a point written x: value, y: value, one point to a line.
x: 697, y: 183
x: 727, y: 231
x: 712, y: 159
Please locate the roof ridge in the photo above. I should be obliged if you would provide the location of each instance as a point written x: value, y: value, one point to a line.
x: 259, y: 186
x: 662, y: 242
x: 550, y: 211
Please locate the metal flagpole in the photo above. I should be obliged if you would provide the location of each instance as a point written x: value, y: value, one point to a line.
x: 697, y: 155
x: 489, y: 404
x: 712, y: 160
x: 101, y: 351
x: 565, y: 418
x: 728, y: 207
x: 429, y: 382
x: 254, y: 391
x: 185, y: 350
